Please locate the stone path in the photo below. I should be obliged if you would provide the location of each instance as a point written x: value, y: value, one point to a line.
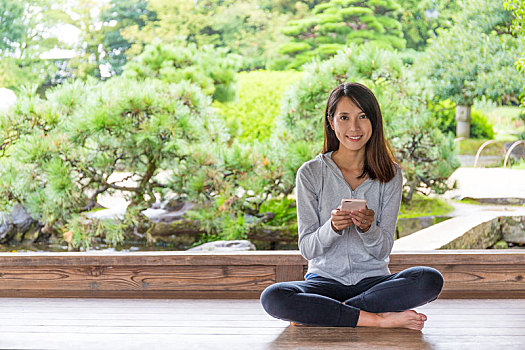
x: 487, y: 183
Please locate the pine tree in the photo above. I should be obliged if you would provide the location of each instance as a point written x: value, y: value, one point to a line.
x: 337, y: 23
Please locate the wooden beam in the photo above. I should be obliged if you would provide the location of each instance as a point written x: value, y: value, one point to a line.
x: 468, y: 273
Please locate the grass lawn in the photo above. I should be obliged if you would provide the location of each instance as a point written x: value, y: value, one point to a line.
x: 471, y: 146
x: 424, y: 206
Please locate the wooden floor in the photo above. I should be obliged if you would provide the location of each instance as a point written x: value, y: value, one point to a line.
x: 242, y: 324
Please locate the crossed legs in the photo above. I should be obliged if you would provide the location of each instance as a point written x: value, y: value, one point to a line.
x: 382, y: 301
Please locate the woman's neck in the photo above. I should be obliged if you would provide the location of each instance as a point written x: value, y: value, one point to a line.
x: 349, y: 160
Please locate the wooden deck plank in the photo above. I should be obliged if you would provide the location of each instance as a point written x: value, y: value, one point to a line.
x: 167, y: 324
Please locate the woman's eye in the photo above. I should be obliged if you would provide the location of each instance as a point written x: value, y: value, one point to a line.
x: 363, y: 116
x: 343, y: 117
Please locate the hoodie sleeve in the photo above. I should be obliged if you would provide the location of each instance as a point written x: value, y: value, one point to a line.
x: 379, y: 239
x: 315, y: 237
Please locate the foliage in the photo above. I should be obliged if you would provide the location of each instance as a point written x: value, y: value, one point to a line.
x: 234, y: 182
x: 445, y: 114
x: 11, y: 25
x: 426, y: 155
x: 421, y: 20
x: 211, y: 69
x: 424, y: 206
x: 336, y: 23
x: 476, y: 57
x: 252, y: 116
x: 480, y: 126
x: 27, y: 33
x: 244, y: 28
x: 518, y: 9
x: 60, y: 152
x: 122, y: 14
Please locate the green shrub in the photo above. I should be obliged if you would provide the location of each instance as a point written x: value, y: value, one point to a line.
x: 480, y: 126
x: 260, y: 94
x: 212, y: 69
x: 64, y: 154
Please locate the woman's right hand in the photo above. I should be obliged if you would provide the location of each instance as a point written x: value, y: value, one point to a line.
x: 340, y: 219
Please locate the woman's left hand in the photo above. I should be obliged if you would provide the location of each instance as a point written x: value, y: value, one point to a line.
x: 363, y: 218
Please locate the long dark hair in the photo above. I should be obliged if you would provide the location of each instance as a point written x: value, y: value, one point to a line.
x: 379, y: 158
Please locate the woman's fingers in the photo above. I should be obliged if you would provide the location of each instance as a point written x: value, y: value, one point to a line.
x: 340, y: 219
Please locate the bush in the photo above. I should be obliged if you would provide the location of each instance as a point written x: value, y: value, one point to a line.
x: 57, y: 169
x: 252, y: 116
x: 480, y: 127
x: 212, y: 69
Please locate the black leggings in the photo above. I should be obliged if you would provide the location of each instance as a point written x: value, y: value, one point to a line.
x: 319, y: 301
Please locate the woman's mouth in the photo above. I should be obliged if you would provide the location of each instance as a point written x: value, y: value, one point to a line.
x: 354, y: 138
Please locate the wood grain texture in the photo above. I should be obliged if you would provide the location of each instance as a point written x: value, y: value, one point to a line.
x: 218, y: 324
x: 468, y: 274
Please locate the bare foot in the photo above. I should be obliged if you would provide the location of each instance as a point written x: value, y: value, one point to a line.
x: 406, y: 319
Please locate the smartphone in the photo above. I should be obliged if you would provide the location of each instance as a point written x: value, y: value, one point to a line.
x: 352, y: 204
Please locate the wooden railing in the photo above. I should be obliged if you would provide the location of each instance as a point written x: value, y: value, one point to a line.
x: 467, y: 273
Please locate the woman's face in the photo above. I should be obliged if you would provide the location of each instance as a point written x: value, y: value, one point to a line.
x: 352, y: 127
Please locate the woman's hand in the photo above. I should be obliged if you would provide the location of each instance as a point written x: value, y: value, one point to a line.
x: 362, y: 218
x: 340, y: 219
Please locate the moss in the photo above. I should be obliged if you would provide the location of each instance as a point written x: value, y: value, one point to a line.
x: 500, y: 245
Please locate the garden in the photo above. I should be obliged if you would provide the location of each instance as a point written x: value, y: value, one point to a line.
x: 163, y: 125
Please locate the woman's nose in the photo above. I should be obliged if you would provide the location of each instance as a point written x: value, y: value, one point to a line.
x: 354, y: 124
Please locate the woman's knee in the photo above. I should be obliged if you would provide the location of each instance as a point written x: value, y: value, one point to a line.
x: 431, y: 282
x: 427, y: 280
x: 273, y: 298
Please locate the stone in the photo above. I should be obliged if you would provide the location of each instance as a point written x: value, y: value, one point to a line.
x: 481, y: 236
x: 225, y: 246
x: 463, y: 119
x: 21, y: 219
x: 513, y: 229
x: 7, y: 229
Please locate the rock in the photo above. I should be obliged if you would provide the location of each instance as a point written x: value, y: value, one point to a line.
x: 162, y: 215
x: 220, y: 246
x: 21, y: 219
x: 513, y: 229
x: 7, y: 229
x: 481, y: 236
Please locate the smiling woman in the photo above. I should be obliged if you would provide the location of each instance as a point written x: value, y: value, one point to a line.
x: 348, y: 282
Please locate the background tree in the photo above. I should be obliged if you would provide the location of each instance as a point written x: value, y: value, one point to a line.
x: 211, y: 69
x: 60, y: 152
x: 27, y: 32
x: 475, y: 58
x: 337, y: 23
x: 244, y: 28
x: 122, y: 14
x: 421, y: 19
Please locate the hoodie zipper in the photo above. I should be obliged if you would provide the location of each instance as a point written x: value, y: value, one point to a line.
x: 339, y: 175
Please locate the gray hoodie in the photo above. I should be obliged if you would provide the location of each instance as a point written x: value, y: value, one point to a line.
x: 349, y: 255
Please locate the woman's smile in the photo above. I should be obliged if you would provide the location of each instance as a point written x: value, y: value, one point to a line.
x: 354, y: 138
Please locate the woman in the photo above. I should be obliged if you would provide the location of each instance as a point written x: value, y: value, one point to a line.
x: 348, y: 282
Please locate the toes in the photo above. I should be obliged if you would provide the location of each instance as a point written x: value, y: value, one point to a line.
x: 422, y: 317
